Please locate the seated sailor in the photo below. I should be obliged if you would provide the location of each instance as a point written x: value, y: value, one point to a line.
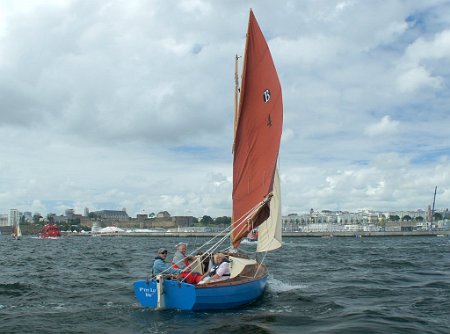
x: 181, y: 261
x: 180, y: 258
x: 219, y: 272
x: 160, y: 266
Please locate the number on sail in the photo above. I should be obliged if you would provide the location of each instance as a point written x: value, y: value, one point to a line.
x: 266, y: 95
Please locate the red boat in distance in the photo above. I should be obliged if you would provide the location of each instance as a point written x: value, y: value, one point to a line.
x: 50, y: 231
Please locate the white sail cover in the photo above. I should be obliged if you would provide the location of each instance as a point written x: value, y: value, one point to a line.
x: 269, y: 232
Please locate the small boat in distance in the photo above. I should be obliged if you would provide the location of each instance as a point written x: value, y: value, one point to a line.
x: 16, y: 232
x: 252, y: 237
x: 49, y: 231
x: 256, y: 196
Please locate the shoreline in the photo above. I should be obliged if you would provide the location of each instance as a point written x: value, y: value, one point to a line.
x: 362, y: 234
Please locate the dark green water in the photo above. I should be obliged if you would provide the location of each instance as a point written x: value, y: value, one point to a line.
x: 336, y: 285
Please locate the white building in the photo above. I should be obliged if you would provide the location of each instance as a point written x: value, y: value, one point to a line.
x: 3, y: 220
x: 362, y: 220
x: 13, y: 217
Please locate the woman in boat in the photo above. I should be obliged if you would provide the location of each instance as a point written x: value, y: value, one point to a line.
x: 160, y: 266
x: 181, y: 261
x: 219, y: 272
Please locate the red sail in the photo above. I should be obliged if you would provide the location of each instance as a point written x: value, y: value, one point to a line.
x: 258, y: 134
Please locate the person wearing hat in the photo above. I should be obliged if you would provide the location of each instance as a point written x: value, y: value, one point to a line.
x: 160, y: 266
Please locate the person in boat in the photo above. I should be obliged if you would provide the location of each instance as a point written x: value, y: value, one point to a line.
x: 160, y: 266
x: 219, y: 272
x: 182, y: 261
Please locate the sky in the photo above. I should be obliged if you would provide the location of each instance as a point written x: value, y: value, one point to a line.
x: 129, y: 104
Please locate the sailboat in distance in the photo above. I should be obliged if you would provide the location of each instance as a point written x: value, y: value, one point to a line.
x: 256, y: 200
x: 16, y: 231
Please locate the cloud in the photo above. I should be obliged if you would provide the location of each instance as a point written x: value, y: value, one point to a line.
x: 417, y: 78
x: 434, y: 48
x: 419, y: 63
x: 385, y: 126
x: 112, y: 105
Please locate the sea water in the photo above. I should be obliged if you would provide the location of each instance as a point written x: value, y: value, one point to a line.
x: 316, y: 285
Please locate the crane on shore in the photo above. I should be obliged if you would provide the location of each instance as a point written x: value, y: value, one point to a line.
x: 434, y: 201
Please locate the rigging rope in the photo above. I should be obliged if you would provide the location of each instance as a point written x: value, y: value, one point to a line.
x: 226, y: 235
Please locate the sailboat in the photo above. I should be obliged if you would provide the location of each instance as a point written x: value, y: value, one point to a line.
x: 16, y: 232
x: 256, y: 200
x: 251, y: 238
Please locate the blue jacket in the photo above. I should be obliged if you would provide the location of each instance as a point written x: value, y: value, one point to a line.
x: 160, y: 266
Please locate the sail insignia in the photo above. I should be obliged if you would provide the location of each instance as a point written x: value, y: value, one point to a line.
x: 266, y: 96
x: 269, y: 121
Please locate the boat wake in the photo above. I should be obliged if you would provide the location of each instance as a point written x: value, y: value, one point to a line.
x: 248, y: 242
x: 278, y: 286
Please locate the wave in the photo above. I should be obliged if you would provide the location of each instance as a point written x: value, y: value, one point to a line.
x: 248, y: 242
x: 13, y: 289
x: 276, y: 285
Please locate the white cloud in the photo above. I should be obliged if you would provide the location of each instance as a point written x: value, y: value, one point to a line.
x: 435, y: 48
x: 417, y: 78
x: 414, y: 74
x: 37, y: 207
x: 385, y: 126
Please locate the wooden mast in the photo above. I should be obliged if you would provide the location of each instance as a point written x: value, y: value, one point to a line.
x: 236, y: 106
x: 236, y: 94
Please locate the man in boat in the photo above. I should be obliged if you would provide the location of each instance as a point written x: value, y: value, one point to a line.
x: 181, y: 261
x: 219, y: 272
x: 160, y: 266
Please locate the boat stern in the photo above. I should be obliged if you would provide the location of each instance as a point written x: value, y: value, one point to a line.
x: 146, y: 293
x: 160, y: 293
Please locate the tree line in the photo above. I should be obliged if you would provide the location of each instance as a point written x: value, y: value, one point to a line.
x: 209, y: 221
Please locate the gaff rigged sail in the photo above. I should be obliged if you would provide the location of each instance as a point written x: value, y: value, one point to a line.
x: 257, y: 136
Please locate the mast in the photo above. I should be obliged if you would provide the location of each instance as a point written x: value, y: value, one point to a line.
x: 236, y: 93
x: 236, y: 107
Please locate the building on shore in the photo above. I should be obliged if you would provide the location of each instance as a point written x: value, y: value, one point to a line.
x: 364, y: 220
x: 121, y: 219
x: 117, y: 215
x: 13, y: 217
x: 312, y: 221
x: 4, y: 220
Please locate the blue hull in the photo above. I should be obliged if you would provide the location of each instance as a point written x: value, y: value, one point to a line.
x: 184, y: 296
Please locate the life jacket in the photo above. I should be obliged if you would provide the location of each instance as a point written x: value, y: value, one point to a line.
x: 214, y: 269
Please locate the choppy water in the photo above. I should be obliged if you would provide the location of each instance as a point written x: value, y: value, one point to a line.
x: 336, y: 285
